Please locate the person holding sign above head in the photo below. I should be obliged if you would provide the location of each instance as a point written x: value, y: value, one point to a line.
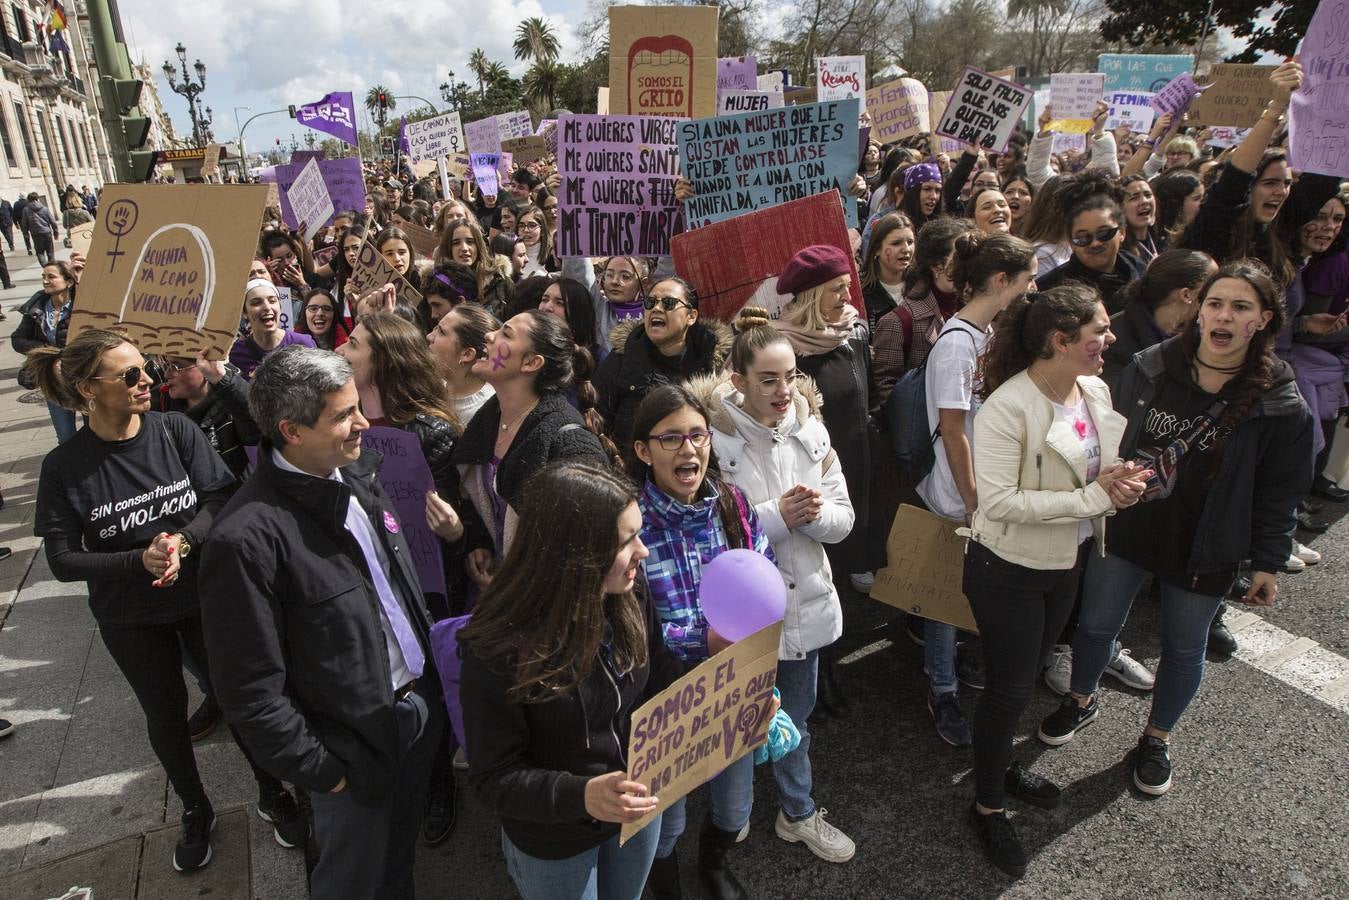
x: 690, y: 515
x: 1046, y: 475
x: 559, y: 654
x: 262, y: 315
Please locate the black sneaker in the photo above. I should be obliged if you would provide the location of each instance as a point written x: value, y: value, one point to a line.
x: 6, y: 727
x: 1030, y: 788
x: 1059, y: 726
x: 290, y: 828
x: 194, y: 846
x: 999, y: 840
x: 1152, y: 766
x: 202, y: 722
x: 970, y: 666
x: 6, y: 553
x: 1221, y: 642
x: 442, y: 814
x: 950, y: 721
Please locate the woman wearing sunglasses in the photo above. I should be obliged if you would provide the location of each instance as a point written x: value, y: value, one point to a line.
x: 125, y: 505
x: 1096, y: 233
x: 667, y: 346
x: 690, y: 516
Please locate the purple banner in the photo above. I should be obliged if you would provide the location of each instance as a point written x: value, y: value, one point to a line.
x: 406, y: 478
x: 343, y: 177
x: 617, y: 192
x: 335, y: 114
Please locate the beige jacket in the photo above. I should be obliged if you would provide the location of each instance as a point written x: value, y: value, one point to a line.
x: 1031, y: 474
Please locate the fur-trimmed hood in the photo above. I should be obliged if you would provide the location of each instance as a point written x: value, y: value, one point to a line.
x: 714, y: 390
x: 706, y: 336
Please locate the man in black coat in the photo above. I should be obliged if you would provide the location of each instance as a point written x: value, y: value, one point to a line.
x: 316, y: 629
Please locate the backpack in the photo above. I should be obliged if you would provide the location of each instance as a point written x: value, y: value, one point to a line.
x: 906, y: 419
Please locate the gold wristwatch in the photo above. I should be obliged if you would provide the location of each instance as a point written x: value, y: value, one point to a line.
x: 184, y: 545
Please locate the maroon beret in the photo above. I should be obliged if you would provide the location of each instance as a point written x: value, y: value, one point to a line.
x: 812, y: 267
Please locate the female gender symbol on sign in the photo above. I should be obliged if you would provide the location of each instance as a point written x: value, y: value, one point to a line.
x: 121, y: 218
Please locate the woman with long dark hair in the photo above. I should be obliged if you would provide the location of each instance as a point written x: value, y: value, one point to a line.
x: 1156, y: 306
x: 44, y: 321
x: 1141, y: 235
x: 1178, y: 196
x: 462, y: 244
x: 318, y: 319
x: 457, y: 342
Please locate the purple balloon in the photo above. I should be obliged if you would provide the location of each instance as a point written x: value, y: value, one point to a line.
x: 741, y: 592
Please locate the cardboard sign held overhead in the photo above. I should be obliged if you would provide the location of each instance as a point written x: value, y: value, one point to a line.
x: 714, y: 715
x: 309, y: 200
x: 168, y: 264
x: 525, y: 150
x: 80, y: 238
x: 663, y: 60
x: 840, y: 77
x: 211, y: 165
x: 371, y: 272
x: 433, y: 138
x: 898, y: 109
x: 984, y: 110
x: 926, y: 570
x: 424, y: 240
x: 1237, y: 96
x: 1141, y: 72
x: 1318, y: 139
x: 1074, y: 96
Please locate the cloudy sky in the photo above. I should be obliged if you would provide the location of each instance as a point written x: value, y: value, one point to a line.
x: 267, y: 54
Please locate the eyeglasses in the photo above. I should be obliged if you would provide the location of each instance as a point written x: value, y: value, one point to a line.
x: 1101, y: 235
x: 131, y: 377
x: 767, y: 387
x: 620, y: 277
x: 529, y: 226
x: 319, y: 308
x: 171, y: 368
x: 673, y: 440
x: 665, y: 303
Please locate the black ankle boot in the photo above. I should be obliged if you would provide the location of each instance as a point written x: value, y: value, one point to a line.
x: 719, y: 882
x: 663, y: 881
x: 827, y: 689
x: 1220, y: 640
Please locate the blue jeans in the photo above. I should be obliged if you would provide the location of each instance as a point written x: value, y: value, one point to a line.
x: 1111, y: 584
x: 63, y: 420
x: 939, y: 656
x: 606, y: 872
x: 796, y: 682
x: 732, y: 798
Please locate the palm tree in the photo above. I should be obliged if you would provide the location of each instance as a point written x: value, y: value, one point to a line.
x: 372, y: 103
x: 534, y: 39
x: 540, y: 84
x: 496, y: 71
x: 478, y: 64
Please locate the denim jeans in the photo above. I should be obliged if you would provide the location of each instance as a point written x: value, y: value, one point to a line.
x: 732, y: 798
x: 796, y: 682
x: 1111, y: 585
x: 63, y: 420
x: 939, y: 656
x: 606, y: 872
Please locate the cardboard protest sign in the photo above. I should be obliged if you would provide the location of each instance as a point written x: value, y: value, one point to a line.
x: 898, y: 109
x: 485, y: 172
x: 433, y: 138
x: 602, y: 101
x: 840, y: 77
x: 168, y: 264
x: 617, y: 191
x: 752, y: 160
x: 406, y: 478
x: 1176, y: 97
x: 343, y: 179
x: 424, y: 240
x: 309, y: 200
x: 525, y: 150
x: 80, y: 238
x: 983, y: 110
x: 1074, y: 96
x: 714, y: 715
x: 937, y: 101
x: 663, y: 60
x: 799, y: 96
x: 1064, y: 141
x: 731, y: 102
x: 738, y: 73
x: 772, y: 81
x: 737, y: 260
x: 1237, y: 96
x: 371, y: 272
x: 1318, y: 132
x: 1133, y: 109
x: 1225, y: 136
x: 927, y: 565
x: 211, y: 164
x: 1141, y: 72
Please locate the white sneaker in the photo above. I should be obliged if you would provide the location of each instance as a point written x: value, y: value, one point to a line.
x: 1130, y: 671
x: 823, y: 839
x: 1059, y: 672
x: 1306, y: 554
x: 460, y: 760
x: 743, y: 835
x: 862, y: 582
x: 1295, y: 563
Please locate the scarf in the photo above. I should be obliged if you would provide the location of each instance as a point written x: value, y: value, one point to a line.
x: 624, y: 311
x: 809, y: 342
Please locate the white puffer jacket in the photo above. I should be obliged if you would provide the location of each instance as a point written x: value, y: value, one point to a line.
x: 766, y: 463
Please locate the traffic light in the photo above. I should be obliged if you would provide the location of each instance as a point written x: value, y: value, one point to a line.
x: 383, y: 100
x: 125, y: 94
x: 291, y: 110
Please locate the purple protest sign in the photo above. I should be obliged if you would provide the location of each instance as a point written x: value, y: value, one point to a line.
x: 335, y: 114
x: 1318, y: 137
x: 406, y: 478
x: 1176, y: 97
x: 738, y: 73
x: 617, y: 192
x: 484, y: 166
x: 343, y: 177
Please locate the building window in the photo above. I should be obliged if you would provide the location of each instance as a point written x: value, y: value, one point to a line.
x: 20, y: 23
x: 75, y: 142
x: 59, y: 126
x: 7, y: 141
x: 88, y: 146
x: 26, y: 130
x: 45, y: 137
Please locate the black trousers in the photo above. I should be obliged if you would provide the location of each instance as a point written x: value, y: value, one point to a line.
x: 1020, y: 612
x: 151, y: 658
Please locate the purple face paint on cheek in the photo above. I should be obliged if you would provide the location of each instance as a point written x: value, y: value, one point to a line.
x: 1250, y: 330
x: 1094, y: 347
x: 503, y: 353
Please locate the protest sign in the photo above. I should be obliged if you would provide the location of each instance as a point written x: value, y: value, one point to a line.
x: 617, y: 191
x: 927, y: 563
x: 433, y: 138
x: 513, y: 125
x: 937, y: 101
x: 525, y: 150
x: 1318, y: 138
x: 731, y: 102
x: 840, y: 77
x: 1237, y: 96
x: 738, y: 73
x: 1064, y: 141
x: 1176, y: 97
x: 424, y: 240
x: 1141, y: 72
x: 406, y: 478
x: 983, y: 110
x: 733, y: 261
x: 485, y: 172
x: 309, y: 200
x: 1074, y: 96
x: 371, y: 272
x: 211, y: 164
x: 1133, y: 109
x: 663, y: 60
x: 168, y: 264
x: 703, y: 722
x: 602, y: 101
x: 342, y: 177
x: 752, y: 160
x: 1225, y: 136
x: 772, y: 81
x: 898, y: 109
x: 482, y: 136
x: 300, y: 157
x: 80, y: 237
x: 799, y: 96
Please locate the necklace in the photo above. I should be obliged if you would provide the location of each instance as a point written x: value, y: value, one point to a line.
x: 516, y: 421
x: 1079, y: 424
x: 1225, y: 370
x: 1044, y: 383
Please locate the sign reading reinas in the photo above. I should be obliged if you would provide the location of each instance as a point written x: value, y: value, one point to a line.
x: 617, y: 192
x: 926, y: 570
x: 703, y: 722
x: 753, y: 160
x: 984, y: 110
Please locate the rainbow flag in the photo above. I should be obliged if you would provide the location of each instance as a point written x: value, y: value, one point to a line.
x: 58, y: 19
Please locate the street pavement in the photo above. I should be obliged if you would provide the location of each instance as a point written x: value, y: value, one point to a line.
x: 1257, y: 810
